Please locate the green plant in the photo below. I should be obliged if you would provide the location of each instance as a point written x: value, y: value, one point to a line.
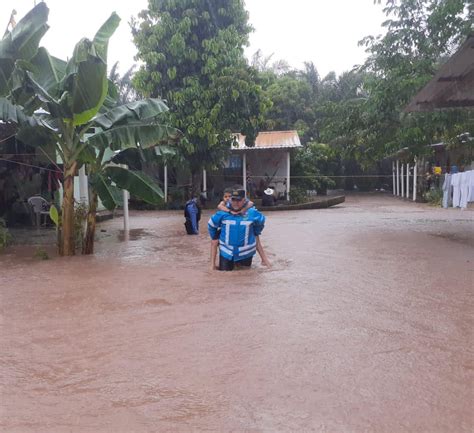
x: 5, y: 236
x: 434, y: 197
x: 73, y: 106
x: 41, y: 254
x: 298, y: 195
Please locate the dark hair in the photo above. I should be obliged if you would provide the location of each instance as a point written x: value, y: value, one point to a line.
x: 228, y: 190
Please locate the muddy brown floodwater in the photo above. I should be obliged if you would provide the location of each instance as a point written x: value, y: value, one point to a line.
x: 364, y: 324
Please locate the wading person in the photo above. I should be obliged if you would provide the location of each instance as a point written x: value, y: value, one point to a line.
x: 238, y: 234
x: 192, y: 214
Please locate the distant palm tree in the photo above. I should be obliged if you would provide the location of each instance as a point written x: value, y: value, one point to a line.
x: 127, y: 93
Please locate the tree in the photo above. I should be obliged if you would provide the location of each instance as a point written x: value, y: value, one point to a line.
x: 420, y: 36
x: 193, y: 58
x: 71, y: 105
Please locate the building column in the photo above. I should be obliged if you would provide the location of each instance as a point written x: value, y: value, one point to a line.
x: 244, y: 171
x: 165, y: 176
x: 288, y: 176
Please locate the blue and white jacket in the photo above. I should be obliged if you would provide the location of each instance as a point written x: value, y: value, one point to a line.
x: 237, y: 237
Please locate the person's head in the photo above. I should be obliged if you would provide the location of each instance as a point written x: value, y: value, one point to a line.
x: 237, y: 199
x: 227, y: 194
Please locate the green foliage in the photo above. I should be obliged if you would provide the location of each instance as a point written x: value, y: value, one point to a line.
x: 5, y: 236
x: 56, y: 102
x: 298, y: 195
x: 41, y: 254
x: 434, y: 197
x: 312, y: 165
x: 193, y: 58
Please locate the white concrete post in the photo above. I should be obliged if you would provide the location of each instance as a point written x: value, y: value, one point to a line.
x: 393, y: 178
x: 244, y: 171
x: 408, y: 181
x: 398, y: 178
x: 165, y: 176
x: 83, y: 186
x: 402, y: 183
x: 288, y: 176
x: 414, y: 179
x: 204, y: 182
x: 126, y: 219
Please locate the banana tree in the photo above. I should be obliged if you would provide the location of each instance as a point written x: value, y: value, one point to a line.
x: 52, y: 101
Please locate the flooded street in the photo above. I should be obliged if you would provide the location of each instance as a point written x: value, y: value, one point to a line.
x: 364, y: 324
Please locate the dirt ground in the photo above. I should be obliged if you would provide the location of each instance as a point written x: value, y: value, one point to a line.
x: 364, y: 324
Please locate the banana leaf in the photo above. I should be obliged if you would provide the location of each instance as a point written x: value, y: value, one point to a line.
x: 137, y: 183
x: 127, y: 136
x: 139, y: 110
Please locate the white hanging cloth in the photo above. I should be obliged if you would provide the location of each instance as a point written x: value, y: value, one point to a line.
x: 456, y: 183
x: 447, y: 196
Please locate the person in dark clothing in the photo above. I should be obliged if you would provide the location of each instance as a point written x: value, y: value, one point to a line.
x: 192, y: 213
x: 268, y: 198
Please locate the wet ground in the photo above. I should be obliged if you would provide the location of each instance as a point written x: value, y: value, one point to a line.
x: 364, y: 324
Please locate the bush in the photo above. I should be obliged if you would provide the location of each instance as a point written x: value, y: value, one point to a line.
x: 434, y: 197
x: 298, y: 195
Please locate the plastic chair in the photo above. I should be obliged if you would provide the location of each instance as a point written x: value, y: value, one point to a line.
x: 40, y: 207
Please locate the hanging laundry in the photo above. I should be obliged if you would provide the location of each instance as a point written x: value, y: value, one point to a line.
x: 456, y: 183
x: 465, y: 178
x: 447, y: 191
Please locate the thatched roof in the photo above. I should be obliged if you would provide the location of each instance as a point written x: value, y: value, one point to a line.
x: 452, y: 86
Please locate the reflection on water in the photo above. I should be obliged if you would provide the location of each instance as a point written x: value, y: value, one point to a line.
x: 359, y: 326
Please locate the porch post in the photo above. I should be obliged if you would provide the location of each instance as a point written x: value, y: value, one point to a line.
x: 204, y: 182
x: 393, y: 178
x: 244, y: 171
x: 288, y: 176
x: 414, y: 179
x: 165, y: 175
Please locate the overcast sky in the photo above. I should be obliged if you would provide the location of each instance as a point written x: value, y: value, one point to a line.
x: 325, y: 32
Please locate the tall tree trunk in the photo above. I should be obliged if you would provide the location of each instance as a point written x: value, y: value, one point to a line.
x: 88, y: 242
x: 196, y: 178
x: 67, y: 244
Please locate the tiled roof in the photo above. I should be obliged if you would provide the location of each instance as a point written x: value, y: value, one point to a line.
x: 270, y: 140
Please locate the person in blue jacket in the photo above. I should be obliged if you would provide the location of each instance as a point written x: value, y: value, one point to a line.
x: 192, y: 214
x: 238, y: 233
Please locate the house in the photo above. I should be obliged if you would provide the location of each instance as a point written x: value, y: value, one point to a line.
x: 258, y: 167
